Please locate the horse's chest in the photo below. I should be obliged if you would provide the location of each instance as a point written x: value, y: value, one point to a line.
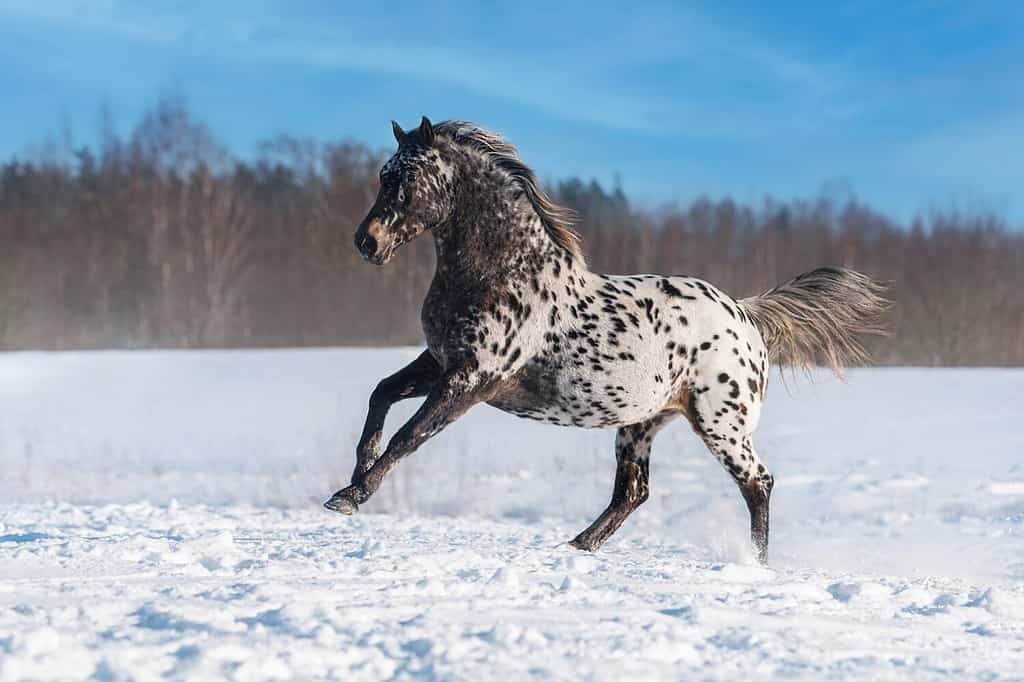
x: 435, y: 319
x: 439, y: 326
x: 452, y: 320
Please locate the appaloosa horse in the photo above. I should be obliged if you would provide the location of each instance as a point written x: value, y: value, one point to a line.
x: 515, y: 319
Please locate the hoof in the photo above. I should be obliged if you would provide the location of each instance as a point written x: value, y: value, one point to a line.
x: 584, y: 545
x: 761, y: 553
x: 341, y: 504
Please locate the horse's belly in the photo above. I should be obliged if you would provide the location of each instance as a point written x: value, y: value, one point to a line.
x: 567, y: 398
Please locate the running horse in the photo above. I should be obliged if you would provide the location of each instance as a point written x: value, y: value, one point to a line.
x: 515, y: 319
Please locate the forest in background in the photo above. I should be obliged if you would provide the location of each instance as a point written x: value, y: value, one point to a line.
x: 162, y: 238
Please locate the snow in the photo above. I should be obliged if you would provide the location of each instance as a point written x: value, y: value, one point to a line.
x: 161, y: 520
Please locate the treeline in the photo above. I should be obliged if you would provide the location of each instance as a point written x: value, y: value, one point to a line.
x: 163, y: 239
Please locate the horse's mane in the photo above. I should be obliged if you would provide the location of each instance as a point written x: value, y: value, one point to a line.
x: 558, y: 220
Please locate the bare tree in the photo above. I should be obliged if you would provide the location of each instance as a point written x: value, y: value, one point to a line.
x: 164, y: 239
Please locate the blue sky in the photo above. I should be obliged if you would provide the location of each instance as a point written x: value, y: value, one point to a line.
x: 910, y: 106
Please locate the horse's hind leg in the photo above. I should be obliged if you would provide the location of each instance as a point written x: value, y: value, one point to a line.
x: 739, y: 458
x: 632, y: 454
x: 724, y: 415
x: 757, y: 493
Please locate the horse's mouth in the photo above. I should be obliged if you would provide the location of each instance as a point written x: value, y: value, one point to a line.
x: 379, y: 258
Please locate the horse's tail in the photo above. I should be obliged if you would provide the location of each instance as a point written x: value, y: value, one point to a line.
x: 819, y: 314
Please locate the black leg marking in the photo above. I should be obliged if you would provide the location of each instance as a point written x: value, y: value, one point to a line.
x: 453, y: 394
x: 757, y: 494
x: 755, y: 483
x: 632, y: 481
x: 412, y: 381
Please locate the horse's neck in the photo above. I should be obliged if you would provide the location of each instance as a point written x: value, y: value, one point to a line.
x: 502, y: 240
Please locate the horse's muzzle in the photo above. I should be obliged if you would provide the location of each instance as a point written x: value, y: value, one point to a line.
x: 374, y: 242
x: 366, y: 245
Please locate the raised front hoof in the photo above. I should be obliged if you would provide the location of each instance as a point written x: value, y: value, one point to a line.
x: 585, y: 544
x: 342, y: 504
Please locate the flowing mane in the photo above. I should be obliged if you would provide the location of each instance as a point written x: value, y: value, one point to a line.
x: 558, y: 220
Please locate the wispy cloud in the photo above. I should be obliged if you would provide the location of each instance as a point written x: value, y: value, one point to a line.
x: 668, y: 95
x: 575, y: 87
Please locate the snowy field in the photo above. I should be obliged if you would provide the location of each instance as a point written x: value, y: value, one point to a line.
x: 161, y: 519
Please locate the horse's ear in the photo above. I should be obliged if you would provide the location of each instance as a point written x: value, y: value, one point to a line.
x: 399, y: 133
x: 426, y: 132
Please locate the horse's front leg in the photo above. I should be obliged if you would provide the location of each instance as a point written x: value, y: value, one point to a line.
x: 453, y: 394
x: 412, y: 381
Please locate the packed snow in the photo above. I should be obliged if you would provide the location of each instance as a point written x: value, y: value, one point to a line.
x: 162, y: 520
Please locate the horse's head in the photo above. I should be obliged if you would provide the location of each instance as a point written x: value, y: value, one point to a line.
x: 414, y: 195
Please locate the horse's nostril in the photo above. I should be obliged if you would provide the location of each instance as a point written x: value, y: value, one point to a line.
x: 366, y: 244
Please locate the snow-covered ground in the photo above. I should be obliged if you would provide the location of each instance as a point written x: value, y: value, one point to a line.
x: 161, y: 519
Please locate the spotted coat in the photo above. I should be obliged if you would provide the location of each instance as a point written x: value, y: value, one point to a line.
x: 516, y: 319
